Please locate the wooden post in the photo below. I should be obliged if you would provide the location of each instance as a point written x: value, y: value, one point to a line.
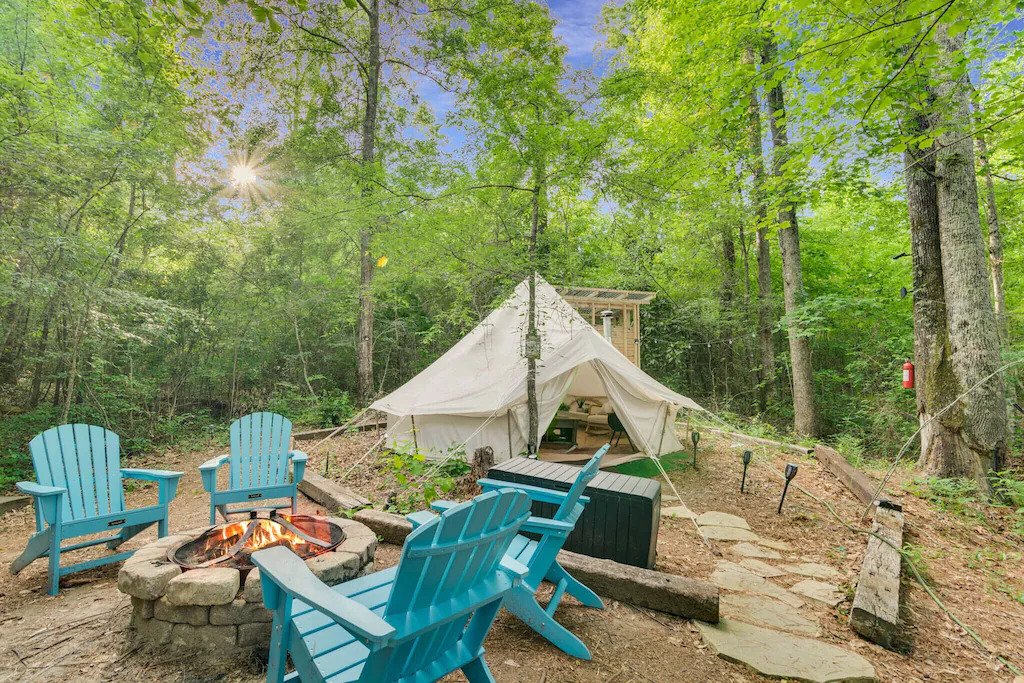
x: 415, y: 441
x: 876, y: 604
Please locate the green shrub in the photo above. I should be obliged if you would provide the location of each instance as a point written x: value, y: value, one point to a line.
x: 955, y: 495
x: 419, y: 482
x: 328, y: 409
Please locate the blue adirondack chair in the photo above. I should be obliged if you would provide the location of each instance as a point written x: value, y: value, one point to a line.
x: 539, y: 556
x: 413, y: 623
x: 79, y: 492
x: 258, y: 466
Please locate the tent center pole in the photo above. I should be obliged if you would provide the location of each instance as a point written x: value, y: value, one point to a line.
x: 415, y: 442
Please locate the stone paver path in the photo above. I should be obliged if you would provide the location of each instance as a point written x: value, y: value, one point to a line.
x: 762, y: 623
x: 822, y: 592
x: 762, y: 611
x: 762, y: 569
x: 783, y: 655
x: 812, y: 569
x: 680, y: 511
x: 753, y: 550
x: 722, y: 519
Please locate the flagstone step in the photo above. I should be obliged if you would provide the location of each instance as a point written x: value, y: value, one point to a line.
x: 783, y: 655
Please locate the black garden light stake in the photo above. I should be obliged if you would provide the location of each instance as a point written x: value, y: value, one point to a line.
x: 695, y: 436
x: 747, y: 455
x: 790, y: 473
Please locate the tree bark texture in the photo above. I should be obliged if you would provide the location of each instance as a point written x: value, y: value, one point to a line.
x: 935, y: 382
x: 995, y: 242
x: 804, y: 414
x: 364, y: 331
x: 973, y: 336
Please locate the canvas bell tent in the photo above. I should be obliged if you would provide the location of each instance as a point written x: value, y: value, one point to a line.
x: 475, y: 394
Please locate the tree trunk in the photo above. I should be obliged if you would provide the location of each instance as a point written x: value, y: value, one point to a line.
x: 727, y: 296
x: 995, y: 242
x: 364, y: 331
x: 755, y: 160
x: 804, y: 418
x: 973, y: 336
x: 935, y: 384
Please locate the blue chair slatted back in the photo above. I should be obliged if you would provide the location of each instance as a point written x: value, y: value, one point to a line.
x: 259, y: 450
x: 449, y: 558
x: 85, y: 460
x: 587, y: 473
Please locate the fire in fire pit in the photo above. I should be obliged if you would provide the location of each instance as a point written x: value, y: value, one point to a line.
x: 231, y: 545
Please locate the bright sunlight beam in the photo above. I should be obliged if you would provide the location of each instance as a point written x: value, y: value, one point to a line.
x: 243, y: 175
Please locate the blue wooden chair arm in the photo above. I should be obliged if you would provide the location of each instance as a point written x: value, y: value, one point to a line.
x: 537, y: 493
x: 418, y: 519
x: 167, y: 481
x: 281, y: 571
x: 49, y: 501
x: 208, y: 470
x: 514, y: 568
x: 38, y: 490
x: 547, y: 527
x: 298, y: 459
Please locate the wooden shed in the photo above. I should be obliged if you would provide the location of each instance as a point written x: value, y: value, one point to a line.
x: 625, y: 307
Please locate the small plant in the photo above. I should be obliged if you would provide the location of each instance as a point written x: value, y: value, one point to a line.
x: 419, y: 482
x: 956, y: 495
x: 916, y: 554
x: 1008, y: 488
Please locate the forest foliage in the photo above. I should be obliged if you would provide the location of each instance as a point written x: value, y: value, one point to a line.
x: 144, y: 286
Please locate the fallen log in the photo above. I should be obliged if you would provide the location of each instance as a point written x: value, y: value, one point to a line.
x: 876, y: 603
x: 791, y: 447
x: 859, y: 484
x: 331, y: 495
x: 655, y: 590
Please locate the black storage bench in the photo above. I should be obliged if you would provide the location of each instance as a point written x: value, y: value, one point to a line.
x: 621, y: 521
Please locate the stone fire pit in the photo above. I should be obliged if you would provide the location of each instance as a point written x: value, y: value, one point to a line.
x: 221, y: 608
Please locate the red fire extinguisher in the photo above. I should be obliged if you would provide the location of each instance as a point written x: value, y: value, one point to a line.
x: 908, y: 375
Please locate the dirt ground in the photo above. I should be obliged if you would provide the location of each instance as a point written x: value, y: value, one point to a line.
x: 975, y: 567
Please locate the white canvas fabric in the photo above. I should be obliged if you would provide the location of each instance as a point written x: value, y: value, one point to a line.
x: 475, y: 394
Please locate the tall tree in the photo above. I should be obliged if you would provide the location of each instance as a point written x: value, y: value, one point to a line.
x: 755, y: 163
x: 804, y: 415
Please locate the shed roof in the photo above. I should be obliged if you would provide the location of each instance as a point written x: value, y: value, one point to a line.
x: 601, y: 294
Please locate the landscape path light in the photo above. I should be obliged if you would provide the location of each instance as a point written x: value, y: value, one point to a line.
x: 747, y: 455
x: 790, y: 473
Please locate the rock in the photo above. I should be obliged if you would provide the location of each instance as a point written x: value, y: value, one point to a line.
x: 728, y: 533
x: 253, y: 591
x: 775, y: 545
x: 822, y: 592
x: 678, y: 511
x: 392, y: 528
x: 334, y: 567
x: 331, y: 495
x: 152, y: 631
x: 722, y: 519
x: 763, y: 611
x: 197, y: 615
x: 147, y: 554
x: 218, y: 638
x: 782, y: 655
x: 733, y: 577
x: 812, y: 569
x: 363, y: 545
x: 146, y: 580
x: 143, y: 608
x: 762, y: 569
x: 211, y: 586
x: 167, y: 541
x: 751, y: 550
x: 254, y: 635
x: 239, y: 612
